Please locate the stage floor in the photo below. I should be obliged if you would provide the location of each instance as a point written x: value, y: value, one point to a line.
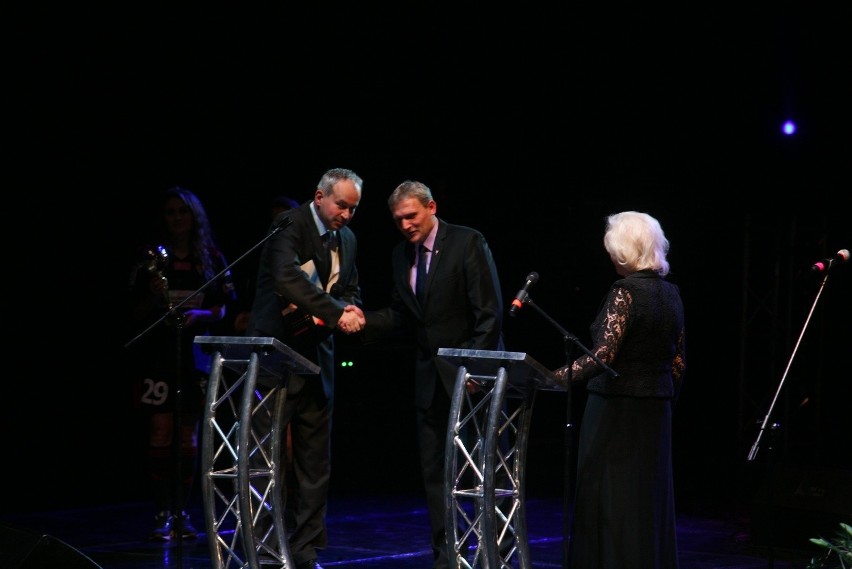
x: 370, y: 531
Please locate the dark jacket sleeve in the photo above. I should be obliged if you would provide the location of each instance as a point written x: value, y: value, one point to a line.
x: 283, y: 278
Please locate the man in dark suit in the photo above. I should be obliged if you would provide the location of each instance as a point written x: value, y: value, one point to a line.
x: 460, y: 306
x: 307, y: 285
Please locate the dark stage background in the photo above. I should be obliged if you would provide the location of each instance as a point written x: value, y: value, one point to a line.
x: 530, y: 125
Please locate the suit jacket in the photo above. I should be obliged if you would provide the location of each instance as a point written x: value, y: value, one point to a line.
x: 462, y: 307
x: 281, y: 281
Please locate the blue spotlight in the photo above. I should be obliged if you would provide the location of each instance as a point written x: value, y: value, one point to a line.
x: 788, y: 128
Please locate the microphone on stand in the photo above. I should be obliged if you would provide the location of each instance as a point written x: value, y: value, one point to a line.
x: 826, y: 264
x: 522, y: 295
x: 283, y: 223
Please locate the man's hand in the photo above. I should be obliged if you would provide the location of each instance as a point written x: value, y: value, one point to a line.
x: 352, y: 320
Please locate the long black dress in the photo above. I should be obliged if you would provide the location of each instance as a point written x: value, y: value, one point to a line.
x: 624, y: 511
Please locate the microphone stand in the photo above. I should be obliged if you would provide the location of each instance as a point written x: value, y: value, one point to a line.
x: 752, y: 455
x: 571, y: 342
x: 178, y: 319
x: 755, y: 447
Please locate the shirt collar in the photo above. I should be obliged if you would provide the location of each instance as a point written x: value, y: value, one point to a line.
x: 321, y: 229
x: 429, y: 242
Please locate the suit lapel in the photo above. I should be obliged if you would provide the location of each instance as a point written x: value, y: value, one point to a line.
x: 435, y: 261
x: 344, y: 254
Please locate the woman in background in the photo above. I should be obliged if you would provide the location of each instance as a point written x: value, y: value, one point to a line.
x: 181, y: 260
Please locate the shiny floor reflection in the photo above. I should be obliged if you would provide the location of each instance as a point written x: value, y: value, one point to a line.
x: 369, y: 531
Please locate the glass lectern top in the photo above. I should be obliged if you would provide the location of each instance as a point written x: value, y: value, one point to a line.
x: 520, y: 366
x: 275, y: 356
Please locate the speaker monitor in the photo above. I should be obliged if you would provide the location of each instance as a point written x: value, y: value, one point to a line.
x: 25, y: 549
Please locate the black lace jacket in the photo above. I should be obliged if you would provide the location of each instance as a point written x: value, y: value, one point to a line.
x: 639, y: 333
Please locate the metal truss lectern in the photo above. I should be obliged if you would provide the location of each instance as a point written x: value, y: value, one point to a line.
x: 241, y: 467
x: 484, y: 471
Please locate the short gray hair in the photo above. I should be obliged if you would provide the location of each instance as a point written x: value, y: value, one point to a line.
x: 410, y: 189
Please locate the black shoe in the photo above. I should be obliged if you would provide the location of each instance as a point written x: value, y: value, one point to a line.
x: 162, y: 526
x: 166, y: 524
x: 311, y: 564
x: 188, y: 532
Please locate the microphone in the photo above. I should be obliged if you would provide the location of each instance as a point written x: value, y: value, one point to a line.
x: 283, y: 223
x: 825, y: 265
x: 522, y: 295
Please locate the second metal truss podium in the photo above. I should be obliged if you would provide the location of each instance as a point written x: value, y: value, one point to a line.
x: 241, y: 467
x: 486, y: 456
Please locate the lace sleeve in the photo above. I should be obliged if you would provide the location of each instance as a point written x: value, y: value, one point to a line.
x: 609, y: 330
x: 679, y: 364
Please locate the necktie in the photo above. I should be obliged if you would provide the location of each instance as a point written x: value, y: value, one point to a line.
x: 331, y: 244
x: 420, y: 282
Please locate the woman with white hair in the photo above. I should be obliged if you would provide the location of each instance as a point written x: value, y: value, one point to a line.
x: 624, y: 514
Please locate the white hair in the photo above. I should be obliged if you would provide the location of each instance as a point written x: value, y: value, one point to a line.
x: 635, y: 241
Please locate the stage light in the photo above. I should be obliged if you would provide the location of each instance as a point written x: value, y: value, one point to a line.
x: 788, y: 128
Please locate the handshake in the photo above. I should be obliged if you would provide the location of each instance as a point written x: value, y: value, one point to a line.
x: 352, y: 320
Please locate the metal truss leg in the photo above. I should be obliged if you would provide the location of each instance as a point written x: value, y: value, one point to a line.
x: 242, y: 480
x: 484, y: 474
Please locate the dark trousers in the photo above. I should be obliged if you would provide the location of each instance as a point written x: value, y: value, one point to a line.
x: 307, y: 411
x: 432, y: 440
